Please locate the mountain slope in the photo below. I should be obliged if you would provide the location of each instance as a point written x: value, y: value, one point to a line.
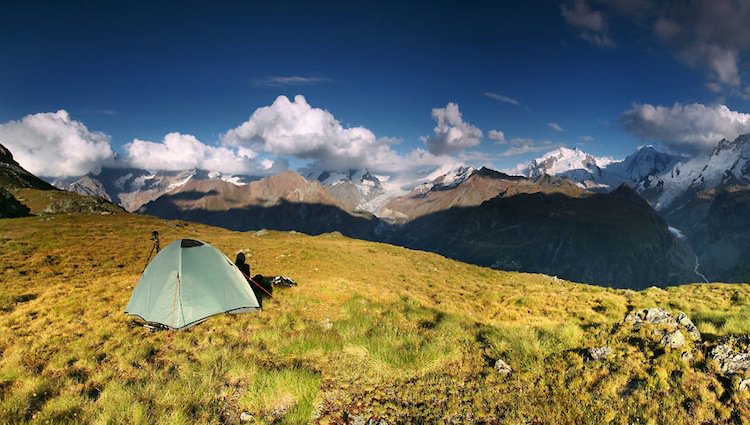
x: 372, y: 331
x: 468, y: 187
x: 613, y: 239
x: 286, y: 201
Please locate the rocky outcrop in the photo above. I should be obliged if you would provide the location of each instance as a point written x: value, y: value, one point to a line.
x: 732, y: 355
x: 10, y: 207
x: 659, y: 316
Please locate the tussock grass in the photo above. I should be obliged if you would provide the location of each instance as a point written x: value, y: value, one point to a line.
x: 372, y: 330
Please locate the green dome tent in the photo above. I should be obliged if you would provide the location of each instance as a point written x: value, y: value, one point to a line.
x: 186, y: 283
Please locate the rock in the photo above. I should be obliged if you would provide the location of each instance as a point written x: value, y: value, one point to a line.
x: 673, y: 340
x: 246, y: 417
x: 654, y: 316
x: 658, y: 316
x: 326, y: 324
x: 599, y: 353
x: 744, y: 385
x: 502, y: 368
x: 687, y: 324
x: 686, y: 356
x: 729, y: 361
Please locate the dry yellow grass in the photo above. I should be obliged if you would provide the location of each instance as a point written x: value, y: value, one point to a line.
x: 372, y: 330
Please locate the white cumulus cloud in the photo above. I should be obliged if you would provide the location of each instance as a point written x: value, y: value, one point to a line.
x: 297, y: 129
x: 183, y: 152
x: 452, y: 133
x: 497, y: 135
x: 52, y: 144
x: 688, y: 128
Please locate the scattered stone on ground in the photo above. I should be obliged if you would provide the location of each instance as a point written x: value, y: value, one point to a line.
x: 326, y: 324
x: 503, y: 368
x: 599, y: 353
x: 246, y: 417
x: 673, y: 340
x: 730, y: 361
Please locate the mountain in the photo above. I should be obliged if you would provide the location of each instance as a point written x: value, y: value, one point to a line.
x: 574, y: 164
x: 546, y: 224
x: 613, y: 239
x: 467, y: 186
x: 13, y: 176
x: 721, y: 237
x: 601, y: 173
x: 354, y: 190
x: 726, y: 165
x: 132, y: 187
x: 285, y: 201
x: 22, y: 193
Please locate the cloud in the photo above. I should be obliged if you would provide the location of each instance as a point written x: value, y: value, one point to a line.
x: 688, y: 128
x: 296, y: 129
x: 710, y: 35
x: 292, y: 80
x: 452, y: 133
x: 586, y: 139
x: 498, y: 136
x: 521, y: 146
x: 183, y: 152
x: 555, y: 126
x: 501, y: 98
x: 591, y: 24
x: 52, y: 144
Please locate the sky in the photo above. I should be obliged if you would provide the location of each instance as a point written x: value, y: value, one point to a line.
x: 400, y: 88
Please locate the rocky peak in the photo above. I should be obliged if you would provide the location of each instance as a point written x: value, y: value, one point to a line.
x: 5, y: 155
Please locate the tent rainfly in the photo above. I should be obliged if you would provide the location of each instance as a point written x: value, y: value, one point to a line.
x: 186, y: 283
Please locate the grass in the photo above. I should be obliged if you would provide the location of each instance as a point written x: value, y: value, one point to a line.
x: 372, y: 331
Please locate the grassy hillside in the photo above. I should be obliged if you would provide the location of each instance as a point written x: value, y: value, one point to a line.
x: 372, y: 331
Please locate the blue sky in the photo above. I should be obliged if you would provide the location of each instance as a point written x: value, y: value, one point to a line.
x: 141, y: 70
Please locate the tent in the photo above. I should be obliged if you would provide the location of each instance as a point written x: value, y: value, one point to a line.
x: 186, y: 283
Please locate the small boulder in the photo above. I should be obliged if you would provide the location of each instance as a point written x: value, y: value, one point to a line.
x: 246, y: 417
x: 503, y: 368
x: 599, y: 353
x: 673, y: 340
x: 684, y: 321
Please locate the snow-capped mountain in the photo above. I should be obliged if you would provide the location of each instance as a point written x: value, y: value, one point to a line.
x: 603, y: 173
x: 726, y: 165
x: 448, y: 180
x: 353, y: 189
x: 131, y: 188
x: 575, y: 164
